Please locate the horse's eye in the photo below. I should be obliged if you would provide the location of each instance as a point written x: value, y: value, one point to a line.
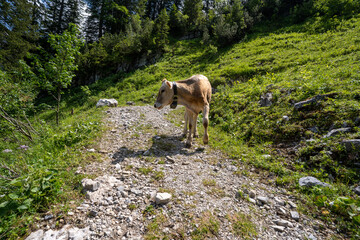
x: 162, y: 91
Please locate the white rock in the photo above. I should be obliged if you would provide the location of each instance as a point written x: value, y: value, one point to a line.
x: 292, y: 205
x: 295, y: 215
x: 284, y: 223
x: 281, y: 211
x: 279, y: 201
x: 50, y: 235
x: 263, y: 200
x: 278, y: 228
x: 78, y: 234
x: 90, y: 185
x: 107, y: 102
x: 311, y: 181
x: 36, y: 235
x: 162, y: 198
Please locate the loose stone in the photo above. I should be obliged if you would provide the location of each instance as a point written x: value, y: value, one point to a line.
x: 162, y: 198
x: 295, y: 215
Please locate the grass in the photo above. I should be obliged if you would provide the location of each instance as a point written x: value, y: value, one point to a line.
x: 145, y: 170
x: 242, y: 226
x: 41, y: 176
x: 209, y: 182
x: 206, y: 226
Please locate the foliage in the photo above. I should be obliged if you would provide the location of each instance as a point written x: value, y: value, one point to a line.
x: 56, y: 73
x: 162, y: 30
x: 37, y: 175
x: 17, y: 32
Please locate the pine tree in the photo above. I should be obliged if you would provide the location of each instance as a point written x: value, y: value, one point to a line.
x: 177, y: 21
x: 237, y: 17
x: 60, y: 13
x: 17, y: 32
x: 193, y: 9
x: 162, y: 30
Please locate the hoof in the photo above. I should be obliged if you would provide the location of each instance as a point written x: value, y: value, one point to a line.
x: 206, y: 141
x: 196, y: 135
x: 188, y: 145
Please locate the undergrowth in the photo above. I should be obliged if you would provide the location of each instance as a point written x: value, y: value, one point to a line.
x: 35, y: 176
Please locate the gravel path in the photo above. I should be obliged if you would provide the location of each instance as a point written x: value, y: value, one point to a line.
x: 145, y: 156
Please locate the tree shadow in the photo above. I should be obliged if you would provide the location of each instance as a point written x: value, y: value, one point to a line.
x: 162, y: 146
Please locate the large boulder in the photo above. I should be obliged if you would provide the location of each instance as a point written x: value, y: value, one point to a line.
x: 311, y: 181
x: 107, y: 102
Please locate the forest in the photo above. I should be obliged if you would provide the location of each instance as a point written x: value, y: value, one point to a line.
x: 58, y: 57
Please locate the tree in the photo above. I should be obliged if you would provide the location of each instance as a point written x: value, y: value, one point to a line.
x: 225, y: 32
x: 59, y: 13
x: 154, y: 7
x: 177, y: 21
x: 193, y: 10
x: 109, y: 16
x: 56, y: 73
x: 17, y: 32
x: 162, y: 30
x: 237, y: 17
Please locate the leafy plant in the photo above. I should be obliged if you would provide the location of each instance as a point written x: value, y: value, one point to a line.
x: 56, y: 72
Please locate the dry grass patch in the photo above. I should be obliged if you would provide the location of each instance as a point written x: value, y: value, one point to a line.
x: 242, y: 225
x: 206, y: 226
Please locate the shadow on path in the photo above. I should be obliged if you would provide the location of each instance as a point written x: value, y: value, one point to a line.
x: 162, y: 146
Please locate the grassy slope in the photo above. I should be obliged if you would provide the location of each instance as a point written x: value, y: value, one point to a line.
x: 293, y: 65
x: 298, y: 64
x: 42, y: 178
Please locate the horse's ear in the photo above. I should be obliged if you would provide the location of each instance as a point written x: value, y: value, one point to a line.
x: 164, y: 80
x: 169, y: 84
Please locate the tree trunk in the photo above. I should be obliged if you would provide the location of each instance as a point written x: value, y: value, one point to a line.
x: 58, y: 105
x: 61, y: 13
x: 101, y: 18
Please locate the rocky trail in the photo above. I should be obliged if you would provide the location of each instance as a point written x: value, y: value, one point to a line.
x: 151, y: 187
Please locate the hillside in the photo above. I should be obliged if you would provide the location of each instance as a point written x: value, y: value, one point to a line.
x: 285, y: 106
x: 286, y: 66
